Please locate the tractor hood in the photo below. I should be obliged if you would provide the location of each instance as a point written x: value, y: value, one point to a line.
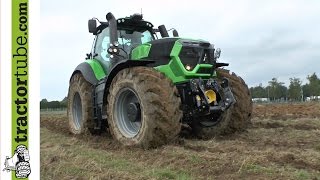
x: 191, y: 52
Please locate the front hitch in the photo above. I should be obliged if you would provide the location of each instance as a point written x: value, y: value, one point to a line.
x: 228, y: 95
x: 203, y: 97
x: 206, y: 95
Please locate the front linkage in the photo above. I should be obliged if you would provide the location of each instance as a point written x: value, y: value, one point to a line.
x: 204, y: 97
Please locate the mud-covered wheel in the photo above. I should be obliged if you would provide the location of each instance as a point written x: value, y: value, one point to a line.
x: 80, y: 110
x: 210, y: 126
x: 241, y: 111
x: 23, y: 169
x: 143, y: 108
x: 236, y: 118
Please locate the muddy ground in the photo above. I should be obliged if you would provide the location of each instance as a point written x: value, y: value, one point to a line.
x: 283, y: 142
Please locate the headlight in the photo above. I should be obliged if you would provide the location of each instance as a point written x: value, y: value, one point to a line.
x: 113, y: 50
x: 116, y: 43
x: 188, y: 67
x: 110, y: 51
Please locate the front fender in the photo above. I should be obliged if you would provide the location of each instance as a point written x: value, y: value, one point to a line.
x: 125, y: 64
x: 91, y: 70
x: 118, y: 67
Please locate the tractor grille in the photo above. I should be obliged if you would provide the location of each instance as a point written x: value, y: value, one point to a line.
x: 196, y: 55
x: 190, y: 55
x: 205, y: 71
x: 207, y: 57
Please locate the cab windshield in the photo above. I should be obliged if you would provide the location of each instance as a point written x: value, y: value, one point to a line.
x: 129, y: 39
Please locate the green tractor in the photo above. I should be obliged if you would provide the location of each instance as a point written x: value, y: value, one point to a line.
x: 143, y: 88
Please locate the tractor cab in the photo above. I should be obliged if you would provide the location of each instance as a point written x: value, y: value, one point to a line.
x: 133, y: 31
x: 116, y: 39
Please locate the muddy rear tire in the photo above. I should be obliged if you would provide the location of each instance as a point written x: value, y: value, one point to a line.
x: 80, y: 110
x: 143, y: 108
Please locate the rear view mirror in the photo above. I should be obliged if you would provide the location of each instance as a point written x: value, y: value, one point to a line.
x: 92, y: 25
x: 217, y: 53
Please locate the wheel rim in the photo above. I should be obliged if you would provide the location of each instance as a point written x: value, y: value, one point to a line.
x: 77, y: 111
x: 208, y: 123
x: 128, y: 113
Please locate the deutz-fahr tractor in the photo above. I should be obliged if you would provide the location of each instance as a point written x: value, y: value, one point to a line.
x: 143, y: 86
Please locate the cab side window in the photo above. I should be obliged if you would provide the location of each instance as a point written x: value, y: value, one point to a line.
x: 102, y: 44
x: 146, y: 37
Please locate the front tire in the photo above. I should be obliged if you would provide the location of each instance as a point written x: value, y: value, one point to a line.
x: 143, y: 108
x: 204, y: 131
x: 241, y: 111
x: 236, y: 118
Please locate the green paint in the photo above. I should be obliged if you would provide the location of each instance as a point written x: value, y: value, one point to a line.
x: 19, y: 77
x: 176, y: 71
x: 97, y: 68
x: 141, y: 51
x: 176, y: 49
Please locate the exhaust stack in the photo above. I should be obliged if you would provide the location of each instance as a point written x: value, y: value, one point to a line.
x: 112, y: 27
x: 163, y: 31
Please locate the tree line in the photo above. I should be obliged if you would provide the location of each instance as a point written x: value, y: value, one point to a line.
x: 45, y: 104
x: 296, y: 91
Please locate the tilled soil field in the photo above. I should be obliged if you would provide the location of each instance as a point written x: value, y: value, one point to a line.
x: 287, y: 111
x: 283, y: 142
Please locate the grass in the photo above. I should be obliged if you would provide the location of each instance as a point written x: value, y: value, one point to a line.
x: 79, y: 160
x: 302, y: 175
x: 282, y: 150
x: 195, y: 158
x: 259, y: 169
x: 317, y: 147
x: 169, y: 174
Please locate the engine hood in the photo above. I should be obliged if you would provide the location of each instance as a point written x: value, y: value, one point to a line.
x: 162, y: 50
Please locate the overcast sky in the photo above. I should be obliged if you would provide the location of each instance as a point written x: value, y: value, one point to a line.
x: 260, y: 39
